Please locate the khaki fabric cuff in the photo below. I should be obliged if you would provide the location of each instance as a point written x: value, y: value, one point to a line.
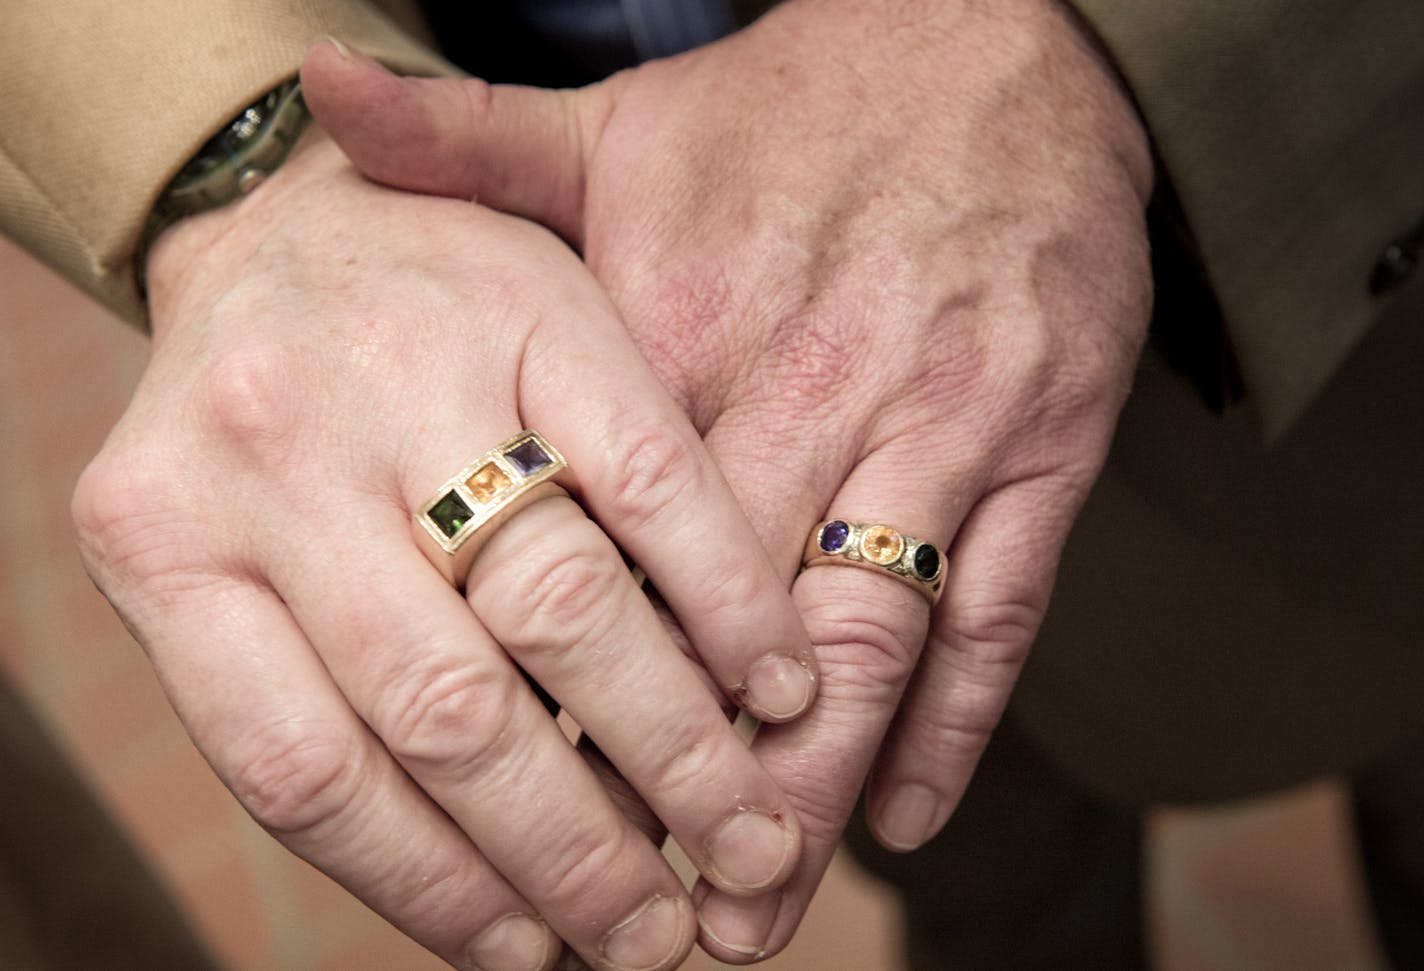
x: 101, y: 103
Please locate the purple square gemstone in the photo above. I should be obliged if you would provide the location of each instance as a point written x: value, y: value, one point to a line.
x: 528, y: 457
x: 834, y: 535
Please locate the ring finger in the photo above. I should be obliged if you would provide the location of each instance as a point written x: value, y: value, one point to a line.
x: 553, y: 590
x: 869, y: 626
x: 446, y: 701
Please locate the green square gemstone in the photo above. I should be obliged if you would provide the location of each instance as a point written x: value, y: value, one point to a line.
x: 450, y: 513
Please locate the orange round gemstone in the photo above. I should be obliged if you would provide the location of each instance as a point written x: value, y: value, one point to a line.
x: 882, y: 545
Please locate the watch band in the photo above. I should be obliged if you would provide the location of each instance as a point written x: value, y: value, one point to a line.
x: 229, y: 165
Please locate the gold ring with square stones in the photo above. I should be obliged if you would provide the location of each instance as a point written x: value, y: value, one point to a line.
x: 463, y: 513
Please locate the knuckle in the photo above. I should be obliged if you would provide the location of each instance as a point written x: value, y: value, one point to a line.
x: 562, y: 599
x: 246, y: 399
x: 1001, y: 363
x: 436, y: 891
x: 734, y: 593
x: 1056, y: 372
x: 823, y: 791
x: 875, y: 651
x: 962, y: 745
x: 994, y: 632
x: 954, y: 734
x: 682, y: 758
x: 478, y: 104
x: 580, y: 869
x: 1018, y: 362
x: 108, y: 501
x: 654, y: 470
x: 865, y: 642
x: 697, y: 296
x: 1079, y: 394
x: 812, y: 356
x: 128, y: 522
x: 950, y: 380
x: 446, y: 716
x: 297, y: 778
x: 1083, y: 378
x: 820, y: 812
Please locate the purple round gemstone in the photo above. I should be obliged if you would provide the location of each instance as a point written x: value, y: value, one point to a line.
x: 834, y: 535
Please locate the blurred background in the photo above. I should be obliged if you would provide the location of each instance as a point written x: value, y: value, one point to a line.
x: 1265, y: 884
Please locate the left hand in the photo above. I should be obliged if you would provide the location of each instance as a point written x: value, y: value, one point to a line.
x: 327, y: 352
x: 891, y: 258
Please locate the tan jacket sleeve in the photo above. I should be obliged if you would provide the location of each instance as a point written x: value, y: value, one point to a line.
x: 1293, y: 134
x: 101, y: 103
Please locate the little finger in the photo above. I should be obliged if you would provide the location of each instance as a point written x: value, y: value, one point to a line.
x: 288, y: 745
x: 997, y: 592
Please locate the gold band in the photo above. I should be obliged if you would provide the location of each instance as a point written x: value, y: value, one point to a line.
x: 877, y: 547
x: 465, y: 512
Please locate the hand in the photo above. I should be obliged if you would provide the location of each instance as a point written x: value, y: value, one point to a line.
x: 325, y: 354
x: 891, y: 259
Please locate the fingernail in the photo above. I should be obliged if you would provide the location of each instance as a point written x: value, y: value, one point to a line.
x: 748, y: 851
x: 779, y: 685
x: 649, y: 938
x: 516, y: 942
x: 341, y: 48
x: 908, y: 816
x: 748, y: 950
x: 739, y: 925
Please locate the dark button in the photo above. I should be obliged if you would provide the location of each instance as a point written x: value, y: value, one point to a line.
x: 1398, y: 262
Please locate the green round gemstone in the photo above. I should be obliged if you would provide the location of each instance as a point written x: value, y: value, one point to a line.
x: 927, y: 562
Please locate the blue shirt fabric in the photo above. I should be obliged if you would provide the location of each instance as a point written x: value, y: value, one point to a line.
x: 652, y: 28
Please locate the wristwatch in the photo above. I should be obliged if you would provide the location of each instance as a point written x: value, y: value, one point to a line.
x: 230, y: 164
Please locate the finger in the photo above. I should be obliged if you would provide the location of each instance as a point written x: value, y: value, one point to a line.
x: 868, y: 627
x: 513, y: 148
x: 624, y: 796
x: 867, y: 630
x: 997, y: 590
x: 553, y: 591
x: 445, y: 700
x: 287, y: 744
x: 784, y: 490
x: 630, y: 804
x: 646, y: 478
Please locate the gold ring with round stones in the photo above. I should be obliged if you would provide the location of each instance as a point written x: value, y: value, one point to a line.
x: 454, y: 523
x: 876, y: 546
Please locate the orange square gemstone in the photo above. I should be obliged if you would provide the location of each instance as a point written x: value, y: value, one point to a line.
x: 487, y: 482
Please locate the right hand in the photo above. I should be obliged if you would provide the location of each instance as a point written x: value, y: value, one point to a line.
x: 893, y: 258
x: 325, y: 354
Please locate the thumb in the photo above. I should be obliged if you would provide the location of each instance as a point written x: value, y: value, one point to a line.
x: 516, y: 149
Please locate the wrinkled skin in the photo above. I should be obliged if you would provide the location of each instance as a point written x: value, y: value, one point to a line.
x: 326, y: 353
x: 891, y: 259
